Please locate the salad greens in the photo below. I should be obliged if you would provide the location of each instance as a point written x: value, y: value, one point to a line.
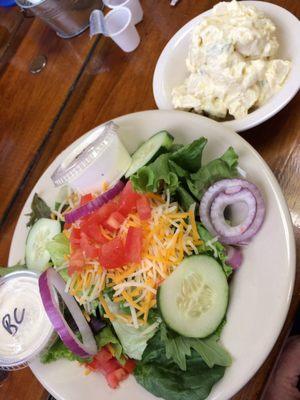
x: 168, y: 365
x: 214, y: 248
x: 59, y: 351
x: 58, y: 248
x: 181, y: 172
x: 106, y: 336
x: 39, y: 209
x: 178, y: 347
x: 134, y: 341
x: 163, y: 377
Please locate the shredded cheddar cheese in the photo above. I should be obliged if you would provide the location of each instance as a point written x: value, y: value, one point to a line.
x: 168, y: 236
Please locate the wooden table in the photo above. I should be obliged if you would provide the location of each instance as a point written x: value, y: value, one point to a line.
x: 85, y: 83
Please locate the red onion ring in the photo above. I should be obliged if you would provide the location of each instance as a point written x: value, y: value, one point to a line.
x: 94, y: 204
x: 218, y: 207
x: 214, y: 202
x: 49, y: 281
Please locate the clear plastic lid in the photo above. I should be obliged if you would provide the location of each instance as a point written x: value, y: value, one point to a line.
x: 84, y: 155
x: 99, y: 157
x: 25, y: 330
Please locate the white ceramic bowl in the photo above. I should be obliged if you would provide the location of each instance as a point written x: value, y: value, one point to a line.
x: 171, y: 71
x: 260, y: 291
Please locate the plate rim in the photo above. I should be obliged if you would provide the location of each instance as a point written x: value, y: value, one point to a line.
x: 287, y: 222
x: 238, y: 125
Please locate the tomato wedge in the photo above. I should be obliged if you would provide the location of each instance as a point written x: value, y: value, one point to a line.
x: 86, y: 198
x: 103, y: 355
x: 75, y: 238
x: 87, y: 247
x: 133, y: 245
x: 128, y: 199
x: 105, y: 211
x: 143, y: 207
x: 93, y: 231
x: 76, y: 262
x: 112, y: 254
x: 110, y: 367
x: 129, y: 366
x: 114, y: 221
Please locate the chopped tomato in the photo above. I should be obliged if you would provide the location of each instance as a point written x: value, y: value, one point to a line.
x: 104, y: 212
x: 133, y: 245
x: 93, y: 365
x: 114, y: 221
x: 92, y: 230
x: 129, y: 366
x: 75, y: 238
x: 103, y: 355
x: 143, y: 207
x: 128, y: 199
x: 76, y: 262
x: 110, y: 366
x: 115, y: 377
x: 112, y: 380
x: 85, y: 199
x: 112, y: 254
x: 121, y: 374
x: 86, y: 246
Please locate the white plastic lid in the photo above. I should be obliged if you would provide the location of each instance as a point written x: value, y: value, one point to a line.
x: 25, y: 329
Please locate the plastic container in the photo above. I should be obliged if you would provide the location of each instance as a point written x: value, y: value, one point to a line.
x: 98, y: 158
x: 133, y: 5
x: 121, y: 29
x: 68, y: 18
x: 25, y: 330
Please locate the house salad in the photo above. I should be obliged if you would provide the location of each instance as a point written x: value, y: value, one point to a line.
x: 143, y: 266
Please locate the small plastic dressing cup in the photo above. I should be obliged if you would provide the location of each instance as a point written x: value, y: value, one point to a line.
x: 99, y: 158
x: 133, y: 5
x: 121, y: 29
x: 25, y: 330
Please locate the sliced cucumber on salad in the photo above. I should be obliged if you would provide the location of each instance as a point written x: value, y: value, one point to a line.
x: 36, y: 255
x: 157, y: 143
x: 193, y: 299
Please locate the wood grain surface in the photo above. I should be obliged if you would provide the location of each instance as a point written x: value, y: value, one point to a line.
x: 86, y: 83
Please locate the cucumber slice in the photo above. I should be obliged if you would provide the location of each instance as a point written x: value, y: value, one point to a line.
x: 160, y: 141
x: 193, y: 299
x: 36, y: 255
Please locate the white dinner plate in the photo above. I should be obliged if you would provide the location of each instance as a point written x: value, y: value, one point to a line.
x: 171, y: 70
x: 260, y: 291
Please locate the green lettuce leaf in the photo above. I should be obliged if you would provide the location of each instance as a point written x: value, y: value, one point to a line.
x: 220, y: 168
x: 184, y: 198
x: 106, y: 336
x: 59, y: 351
x: 162, y: 377
x: 189, y: 157
x: 134, y: 341
x: 155, y: 176
x: 58, y: 248
x: 211, y: 351
x: 213, y: 248
x: 179, y: 347
x: 39, y: 209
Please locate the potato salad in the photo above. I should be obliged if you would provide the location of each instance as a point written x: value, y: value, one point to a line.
x: 232, y: 63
